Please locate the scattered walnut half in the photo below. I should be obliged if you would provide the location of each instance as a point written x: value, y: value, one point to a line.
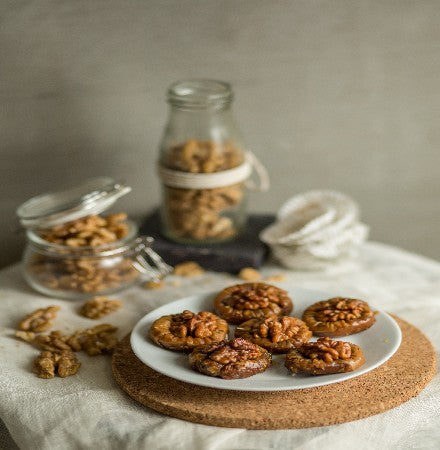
x: 64, y: 364
x: 249, y: 274
x: 154, y: 284
x: 98, y: 307
x: 27, y: 336
x: 188, y: 269
x: 39, y: 320
x: 94, y: 341
x: 276, y: 277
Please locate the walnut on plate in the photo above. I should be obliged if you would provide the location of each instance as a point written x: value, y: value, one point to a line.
x: 325, y: 356
x: 39, y: 320
x: 99, y: 306
x: 242, y: 302
x: 48, y: 364
x: 278, y: 335
x: 237, y: 358
x: 339, y: 316
x: 187, y: 330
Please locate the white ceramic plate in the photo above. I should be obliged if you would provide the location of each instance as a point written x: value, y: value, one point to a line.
x: 378, y: 343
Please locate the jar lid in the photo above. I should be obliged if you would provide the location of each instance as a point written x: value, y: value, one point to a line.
x: 54, y: 208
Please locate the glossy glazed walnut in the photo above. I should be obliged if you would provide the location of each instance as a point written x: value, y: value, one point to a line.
x: 99, y: 306
x: 237, y: 358
x: 339, y: 316
x: 242, y: 302
x: 39, y: 320
x: 326, y: 356
x: 187, y: 330
x: 48, y: 364
x: 278, y: 335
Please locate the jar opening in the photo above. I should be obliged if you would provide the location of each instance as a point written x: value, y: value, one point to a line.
x: 200, y: 94
x: 111, y: 248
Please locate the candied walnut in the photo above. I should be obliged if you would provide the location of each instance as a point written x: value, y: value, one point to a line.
x: 276, y: 277
x: 98, y: 307
x: 89, y: 231
x: 187, y: 330
x: 85, y: 271
x: 39, y: 320
x: 154, y: 284
x: 339, y: 316
x: 56, y: 341
x: 249, y: 274
x: 86, y: 274
x: 188, y: 269
x: 237, y: 358
x: 199, y: 156
x: 200, y: 213
x: 94, y: 341
x: 242, y: 302
x: 325, y: 356
x: 27, y: 336
x: 64, y: 364
x: 278, y: 335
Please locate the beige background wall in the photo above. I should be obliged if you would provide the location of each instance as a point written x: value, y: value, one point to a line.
x: 339, y: 94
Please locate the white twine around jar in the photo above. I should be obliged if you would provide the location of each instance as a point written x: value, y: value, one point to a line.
x: 243, y: 172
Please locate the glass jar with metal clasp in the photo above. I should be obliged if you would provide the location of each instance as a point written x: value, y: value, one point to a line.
x: 74, y: 252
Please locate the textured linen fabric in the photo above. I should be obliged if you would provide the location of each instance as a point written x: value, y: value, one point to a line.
x: 88, y: 410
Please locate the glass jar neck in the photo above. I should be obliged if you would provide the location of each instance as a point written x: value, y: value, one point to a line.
x: 200, y: 95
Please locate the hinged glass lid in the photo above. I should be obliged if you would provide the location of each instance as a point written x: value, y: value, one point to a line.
x: 54, y: 208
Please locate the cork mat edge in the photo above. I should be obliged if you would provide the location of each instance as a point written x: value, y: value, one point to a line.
x: 413, y: 366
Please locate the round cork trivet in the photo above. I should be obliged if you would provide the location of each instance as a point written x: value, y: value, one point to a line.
x: 402, y: 377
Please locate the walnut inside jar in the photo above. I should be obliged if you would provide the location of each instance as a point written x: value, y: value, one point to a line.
x: 278, y: 335
x: 203, y: 214
x: 325, y: 356
x: 242, y: 302
x: 187, y: 330
x: 339, y: 316
x: 237, y: 358
x: 75, y: 264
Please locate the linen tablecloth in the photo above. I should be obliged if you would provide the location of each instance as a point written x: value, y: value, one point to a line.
x: 88, y: 410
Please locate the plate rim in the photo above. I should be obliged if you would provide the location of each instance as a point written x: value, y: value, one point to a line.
x: 202, y: 296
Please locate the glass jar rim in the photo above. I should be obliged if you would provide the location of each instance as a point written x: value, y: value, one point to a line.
x: 194, y: 94
x: 112, y: 248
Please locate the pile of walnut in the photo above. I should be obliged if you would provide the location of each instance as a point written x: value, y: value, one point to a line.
x: 199, y: 213
x: 57, y: 355
x: 264, y: 327
x: 84, y: 272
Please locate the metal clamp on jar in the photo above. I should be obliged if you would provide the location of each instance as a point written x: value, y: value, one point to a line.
x: 72, y: 252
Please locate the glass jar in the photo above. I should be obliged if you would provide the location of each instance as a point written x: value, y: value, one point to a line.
x: 202, y: 165
x: 76, y: 271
